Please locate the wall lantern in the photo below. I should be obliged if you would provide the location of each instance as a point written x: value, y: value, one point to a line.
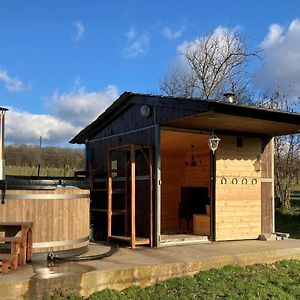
x: 257, y: 164
x: 213, y: 142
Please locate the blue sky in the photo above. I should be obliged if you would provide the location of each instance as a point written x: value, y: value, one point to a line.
x: 63, y: 62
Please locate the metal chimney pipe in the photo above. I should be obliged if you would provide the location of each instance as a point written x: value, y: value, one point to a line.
x: 230, y: 97
x: 2, y: 162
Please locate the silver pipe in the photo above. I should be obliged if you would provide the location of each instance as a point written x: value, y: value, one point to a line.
x: 2, y: 163
x: 2, y: 114
x: 120, y: 134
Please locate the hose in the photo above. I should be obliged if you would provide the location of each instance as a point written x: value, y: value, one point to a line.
x: 113, y: 248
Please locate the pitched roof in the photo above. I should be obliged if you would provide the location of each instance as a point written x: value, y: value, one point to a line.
x: 231, y: 116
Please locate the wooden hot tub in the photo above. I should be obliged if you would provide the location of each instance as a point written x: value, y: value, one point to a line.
x: 60, y: 217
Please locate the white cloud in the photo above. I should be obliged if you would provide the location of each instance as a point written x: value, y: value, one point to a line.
x: 282, y: 59
x: 136, y: 44
x: 80, y: 30
x: 12, y: 84
x: 81, y: 107
x: 274, y: 36
x: 131, y: 33
x: 25, y: 127
x: 170, y: 34
x: 69, y: 113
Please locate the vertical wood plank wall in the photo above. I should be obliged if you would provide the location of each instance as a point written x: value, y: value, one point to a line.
x: 238, y: 202
x: 100, y: 147
x: 175, y: 152
x: 267, y: 186
x: 54, y: 220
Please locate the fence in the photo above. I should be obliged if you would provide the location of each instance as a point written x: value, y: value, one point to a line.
x: 28, y: 160
x: 66, y: 171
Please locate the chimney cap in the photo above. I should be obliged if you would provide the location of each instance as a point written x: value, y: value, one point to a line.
x: 229, y: 96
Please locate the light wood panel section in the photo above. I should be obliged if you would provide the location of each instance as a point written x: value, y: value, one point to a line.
x: 54, y: 220
x: 176, y: 154
x: 201, y: 224
x: 238, y: 189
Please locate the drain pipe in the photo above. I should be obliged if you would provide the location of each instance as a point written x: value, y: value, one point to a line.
x: 2, y: 163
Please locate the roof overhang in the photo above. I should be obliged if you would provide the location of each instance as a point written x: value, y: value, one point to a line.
x: 203, y: 115
x: 239, y: 119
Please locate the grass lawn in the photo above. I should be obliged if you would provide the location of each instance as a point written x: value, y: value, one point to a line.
x: 275, y: 281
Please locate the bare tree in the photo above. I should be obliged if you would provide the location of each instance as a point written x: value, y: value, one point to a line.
x: 218, y: 63
x: 286, y: 167
x: 210, y: 66
x: 179, y: 81
x: 287, y: 150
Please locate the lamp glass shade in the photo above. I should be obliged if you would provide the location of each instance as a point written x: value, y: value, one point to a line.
x: 257, y: 165
x: 213, y: 142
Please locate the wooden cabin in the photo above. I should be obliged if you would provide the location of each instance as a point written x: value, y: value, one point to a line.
x: 154, y: 179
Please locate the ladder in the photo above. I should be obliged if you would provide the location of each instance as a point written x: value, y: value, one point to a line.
x: 128, y: 191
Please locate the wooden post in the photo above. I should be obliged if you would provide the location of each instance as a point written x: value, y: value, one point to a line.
x: 126, y: 193
x: 132, y: 156
x: 109, y: 195
x: 5, y: 265
x: 212, y: 196
x: 14, y: 251
x: 267, y: 186
x: 151, y: 194
x: 157, y: 186
x: 23, y: 246
x: 273, y: 187
x: 29, y: 243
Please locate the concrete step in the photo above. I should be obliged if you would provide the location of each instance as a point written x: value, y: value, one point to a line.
x: 180, y: 239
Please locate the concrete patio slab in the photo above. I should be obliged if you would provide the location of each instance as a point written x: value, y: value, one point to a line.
x: 143, y: 266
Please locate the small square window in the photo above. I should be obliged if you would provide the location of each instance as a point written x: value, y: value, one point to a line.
x: 239, y: 142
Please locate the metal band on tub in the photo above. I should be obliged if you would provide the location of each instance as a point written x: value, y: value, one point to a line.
x: 45, y: 196
x: 59, y: 243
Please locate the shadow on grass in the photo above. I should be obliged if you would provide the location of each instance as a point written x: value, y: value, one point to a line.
x: 289, y: 222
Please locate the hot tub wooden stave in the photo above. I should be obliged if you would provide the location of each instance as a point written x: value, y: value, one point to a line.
x: 60, y: 216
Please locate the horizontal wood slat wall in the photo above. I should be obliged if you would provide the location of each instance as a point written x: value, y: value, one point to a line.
x: 238, y: 189
x: 175, y: 153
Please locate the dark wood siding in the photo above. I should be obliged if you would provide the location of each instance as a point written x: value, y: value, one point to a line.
x: 127, y: 120
x: 99, y: 148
